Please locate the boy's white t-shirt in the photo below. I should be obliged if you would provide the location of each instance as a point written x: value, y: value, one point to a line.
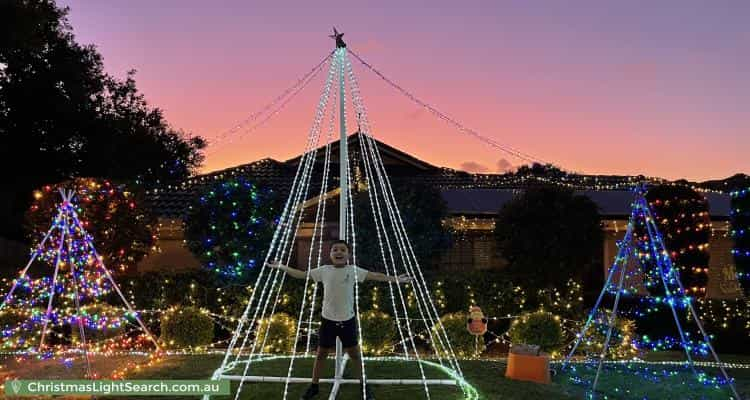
x: 338, y: 289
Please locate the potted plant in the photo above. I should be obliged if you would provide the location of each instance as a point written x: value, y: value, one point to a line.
x: 534, y: 336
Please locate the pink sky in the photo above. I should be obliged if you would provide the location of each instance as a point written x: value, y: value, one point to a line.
x: 628, y: 88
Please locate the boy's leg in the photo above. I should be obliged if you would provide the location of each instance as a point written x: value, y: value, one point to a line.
x: 320, y: 358
x: 355, y: 360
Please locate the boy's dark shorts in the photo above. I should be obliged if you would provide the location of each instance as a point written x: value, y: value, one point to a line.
x: 345, y: 330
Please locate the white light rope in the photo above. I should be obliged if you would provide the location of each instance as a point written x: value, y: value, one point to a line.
x: 419, y: 277
x: 381, y: 233
x: 308, y: 159
x: 354, y: 259
x: 281, y: 230
x: 421, y: 286
x: 301, y: 196
x: 324, y: 199
x: 368, y: 144
x: 408, y: 261
x: 287, y: 242
x: 378, y: 178
x: 318, y: 222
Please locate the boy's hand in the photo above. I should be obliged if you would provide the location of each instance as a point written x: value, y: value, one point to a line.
x: 403, y: 278
x: 276, y: 265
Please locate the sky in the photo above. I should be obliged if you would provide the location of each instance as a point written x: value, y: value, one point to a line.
x: 636, y: 87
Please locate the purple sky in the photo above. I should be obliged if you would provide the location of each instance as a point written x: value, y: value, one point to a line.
x: 602, y: 87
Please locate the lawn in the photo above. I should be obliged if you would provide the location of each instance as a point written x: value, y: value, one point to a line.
x: 485, y: 376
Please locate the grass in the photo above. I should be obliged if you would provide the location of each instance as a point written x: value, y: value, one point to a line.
x: 486, y: 376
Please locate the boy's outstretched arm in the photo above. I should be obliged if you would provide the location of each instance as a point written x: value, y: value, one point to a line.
x: 293, y: 272
x: 377, y: 276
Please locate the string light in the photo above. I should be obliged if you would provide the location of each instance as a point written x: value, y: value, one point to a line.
x: 73, y: 298
x: 649, y: 246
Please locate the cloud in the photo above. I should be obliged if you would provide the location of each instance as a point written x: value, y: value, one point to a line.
x: 475, y: 167
x: 504, y: 165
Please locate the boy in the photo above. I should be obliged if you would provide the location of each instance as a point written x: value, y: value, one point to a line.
x: 338, y: 318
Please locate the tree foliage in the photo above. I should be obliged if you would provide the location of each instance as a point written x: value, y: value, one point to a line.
x: 422, y: 209
x: 683, y: 219
x: 113, y: 214
x: 62, y: 116
x: 549, y: 235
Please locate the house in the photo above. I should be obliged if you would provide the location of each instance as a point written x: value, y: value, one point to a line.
x: 473, y: 201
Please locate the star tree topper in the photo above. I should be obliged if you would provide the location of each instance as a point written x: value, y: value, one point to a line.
x: 339, y: 38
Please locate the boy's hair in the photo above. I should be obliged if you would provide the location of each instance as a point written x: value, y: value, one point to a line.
x: 340, y: 241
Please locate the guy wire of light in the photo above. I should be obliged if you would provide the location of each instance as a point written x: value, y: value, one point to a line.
x: 291, y: 92
x: 458, y: 125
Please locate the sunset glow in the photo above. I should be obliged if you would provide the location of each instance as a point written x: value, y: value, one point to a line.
x: 611, y: 88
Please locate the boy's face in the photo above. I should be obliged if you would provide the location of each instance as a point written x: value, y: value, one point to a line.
x: 339, y: 254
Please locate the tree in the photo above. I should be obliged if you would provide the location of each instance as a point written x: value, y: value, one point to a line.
x: 230, y: 225
x: 684, y: 222
x: 113, y: 214
x: 549, y: 235
x: 423, y: 211
x: 61, y: 116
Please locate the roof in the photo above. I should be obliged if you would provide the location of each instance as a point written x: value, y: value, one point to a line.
x: 612, y: 203
x: 466, y: 193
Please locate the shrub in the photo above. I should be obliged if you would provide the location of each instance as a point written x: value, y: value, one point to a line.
x: 230, y: 225
x: 620, y: 342
x: 277, y: 332
x: 186, y: 327
x: 537, y: 328
x: 464, y: 344
x: 378, y: 332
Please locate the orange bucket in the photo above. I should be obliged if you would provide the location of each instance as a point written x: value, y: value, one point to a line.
x: 528, y: 368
